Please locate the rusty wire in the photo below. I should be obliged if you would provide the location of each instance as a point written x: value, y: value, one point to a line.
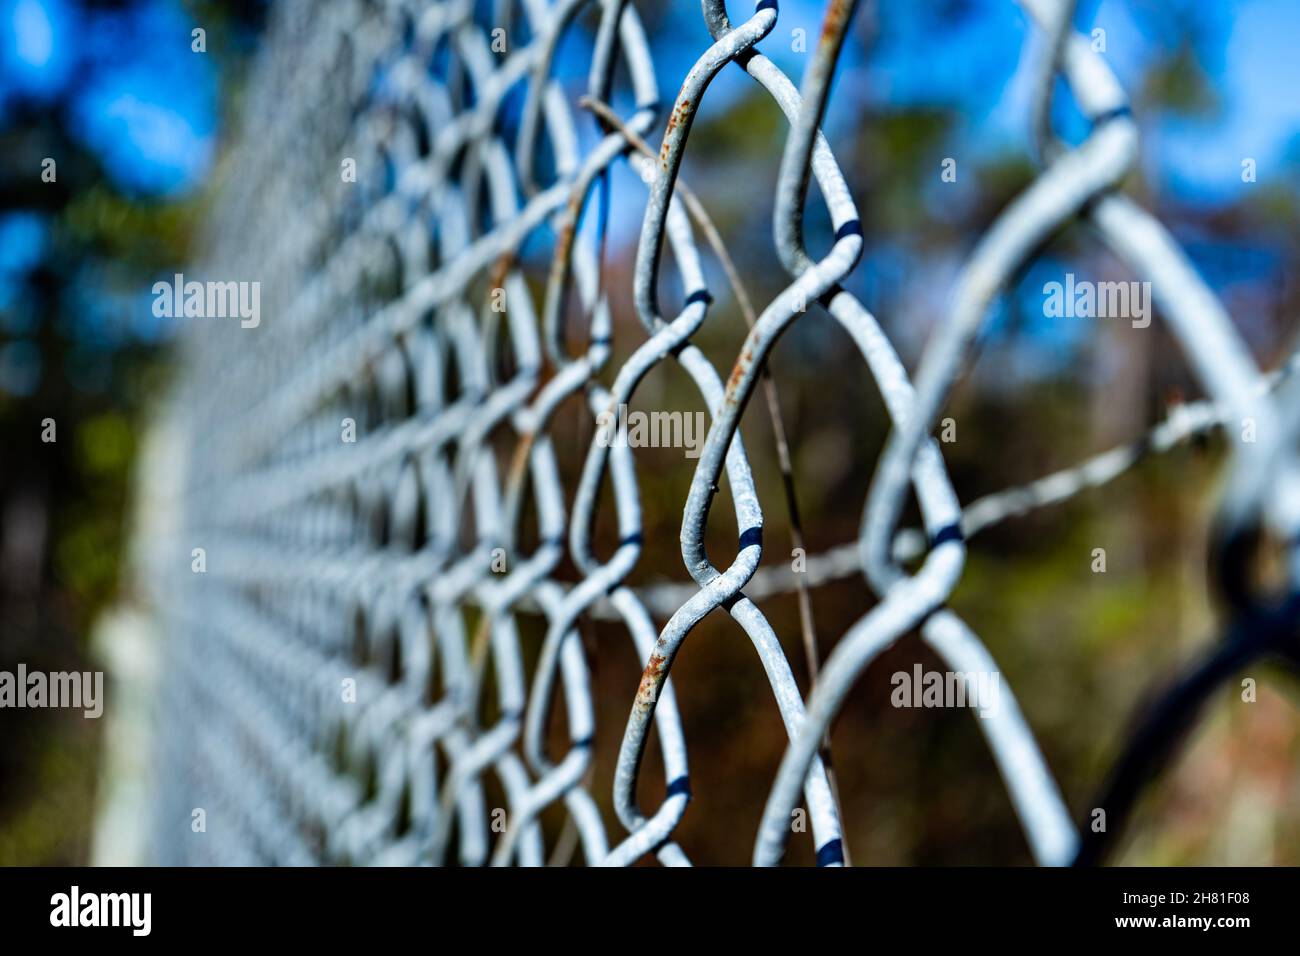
x: 374, y: 562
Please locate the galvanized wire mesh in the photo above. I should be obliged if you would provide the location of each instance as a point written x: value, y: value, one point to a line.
x: 344, y: 682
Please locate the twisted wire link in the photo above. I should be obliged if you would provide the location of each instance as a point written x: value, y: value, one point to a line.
x: 1073, y: 181
x: 383, y: 660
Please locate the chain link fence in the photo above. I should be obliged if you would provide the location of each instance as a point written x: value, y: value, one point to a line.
x: 371, y: 520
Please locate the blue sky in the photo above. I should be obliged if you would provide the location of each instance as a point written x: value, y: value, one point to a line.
x: 138, y: 96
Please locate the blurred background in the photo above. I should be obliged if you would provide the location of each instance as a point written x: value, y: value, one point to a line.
x: 138, y: 123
